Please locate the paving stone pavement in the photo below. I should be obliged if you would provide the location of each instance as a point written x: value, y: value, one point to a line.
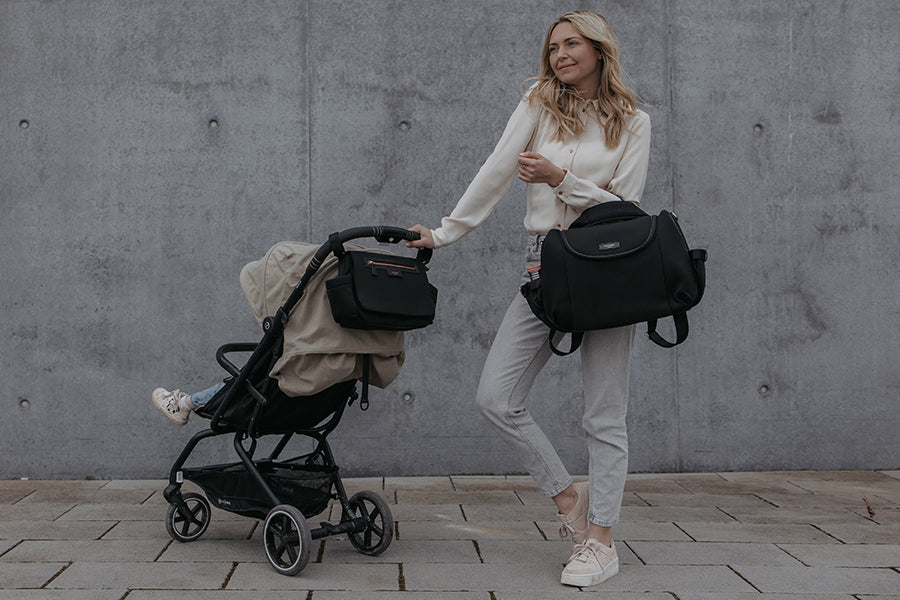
x: 691, y: 536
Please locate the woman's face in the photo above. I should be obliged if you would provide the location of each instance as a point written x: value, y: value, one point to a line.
x: 574, y: 60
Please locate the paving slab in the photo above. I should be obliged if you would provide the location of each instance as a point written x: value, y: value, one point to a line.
x: 536, y: 498
x: 428, y: 512
x: 142, y: 575
x: 350, y: 595
x: 436, y: 552
x: 724, y: 500
x: 213, y: 550
x: 882, y: 516
x: 91, y: 495
x: 747, y: 483
x: 742, y: 532
x: 417, y: 484
x: 469, y: 530
x: 712, y: 553
x: 218, y: 530
x: 412, y: 496
x: 672, y: 514
x: 589, y: 594
x: 319, y: 576
x: 213, y: 595
x: 97, y: 550
x: 53, y: 530
x: 42, y: 511
x: 28, y: 575
x: 758, y: 596
x: 845, y: 555
x: 5, y: 545
x: 468, y: 483
x: 65, y: 594
x: 509, y: 512
x: 772, y: 514
x: 863, y: 533
x: 826, y: 500
x: 816, y: 580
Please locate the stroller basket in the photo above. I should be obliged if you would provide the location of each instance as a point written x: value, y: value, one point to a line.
x: 232, y: 487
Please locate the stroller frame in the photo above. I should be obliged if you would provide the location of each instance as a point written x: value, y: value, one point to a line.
x: 283, y: 493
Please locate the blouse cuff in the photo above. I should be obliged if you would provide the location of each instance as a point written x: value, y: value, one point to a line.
x: 565, y: 186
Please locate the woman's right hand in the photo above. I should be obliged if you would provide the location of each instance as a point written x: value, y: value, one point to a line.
x: 426, y: 240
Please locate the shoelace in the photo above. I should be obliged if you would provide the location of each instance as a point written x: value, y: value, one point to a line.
x: 173, y: 406
x: 584, y: 553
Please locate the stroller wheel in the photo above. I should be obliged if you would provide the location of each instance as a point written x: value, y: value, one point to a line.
x: 379, y: 532
x: 188, y: 527
x: 287, y: 539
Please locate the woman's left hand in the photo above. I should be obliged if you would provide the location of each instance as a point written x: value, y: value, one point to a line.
x: 534, y: 168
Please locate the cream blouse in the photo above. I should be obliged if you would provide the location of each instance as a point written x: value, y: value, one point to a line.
x: 594, y: 173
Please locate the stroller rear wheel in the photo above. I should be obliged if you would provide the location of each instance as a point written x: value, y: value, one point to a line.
x: 379, y: 532
x: 287, y: 539
x: 188, y: 527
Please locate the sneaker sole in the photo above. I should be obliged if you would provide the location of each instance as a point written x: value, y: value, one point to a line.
x: 590, y: 578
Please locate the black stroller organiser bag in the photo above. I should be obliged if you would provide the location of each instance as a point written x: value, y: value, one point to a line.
x: 378, y: 291
x: 616, y: 265
x: 285, y: 493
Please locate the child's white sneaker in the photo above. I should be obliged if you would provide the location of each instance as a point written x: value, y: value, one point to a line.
x: 170, y: 405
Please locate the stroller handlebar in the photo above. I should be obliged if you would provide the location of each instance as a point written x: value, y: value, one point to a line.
x: 385, y: 235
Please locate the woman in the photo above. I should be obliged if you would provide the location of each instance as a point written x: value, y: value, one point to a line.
x: 577, y: 139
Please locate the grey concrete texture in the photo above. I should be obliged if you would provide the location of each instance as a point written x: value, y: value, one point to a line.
x: 150, y: 150
x: 681, y: 537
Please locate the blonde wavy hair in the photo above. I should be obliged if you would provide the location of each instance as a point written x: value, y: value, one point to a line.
x: 615, y: 98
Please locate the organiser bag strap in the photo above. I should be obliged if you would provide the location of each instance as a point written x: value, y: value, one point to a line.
x: 577, y: 337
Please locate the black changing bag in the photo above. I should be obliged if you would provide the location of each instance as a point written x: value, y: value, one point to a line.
x: 616, y: 265
x: 381, y: 291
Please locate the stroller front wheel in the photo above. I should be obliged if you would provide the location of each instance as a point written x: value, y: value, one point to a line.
x: 287, y: 539
x: 379, y: 531
x: 189, y: 526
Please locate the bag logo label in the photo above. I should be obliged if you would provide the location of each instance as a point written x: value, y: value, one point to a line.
x: 609, y: 245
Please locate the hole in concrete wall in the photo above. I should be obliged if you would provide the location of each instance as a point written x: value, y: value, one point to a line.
x: 404, y: 125
x: 213, y: 123
x: 408, y: 397
x: 24, y: 403
x: 758, y: 129
x: 764, y: 390
x: 24, y: 124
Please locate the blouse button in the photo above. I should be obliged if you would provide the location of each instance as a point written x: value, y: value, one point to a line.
x: 571, y: 151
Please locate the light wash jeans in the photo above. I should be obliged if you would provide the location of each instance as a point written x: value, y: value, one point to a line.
x: 519, y: 352
x: 201, y: 398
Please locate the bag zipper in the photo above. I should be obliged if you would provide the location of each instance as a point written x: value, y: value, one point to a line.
x: 373, y: 263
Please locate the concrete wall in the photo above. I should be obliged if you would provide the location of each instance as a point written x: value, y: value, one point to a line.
x: 150, y: 149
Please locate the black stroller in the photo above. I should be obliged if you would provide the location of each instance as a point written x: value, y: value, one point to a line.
x: 281, y: 493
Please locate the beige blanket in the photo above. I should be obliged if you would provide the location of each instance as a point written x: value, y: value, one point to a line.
x: 317, y: 351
